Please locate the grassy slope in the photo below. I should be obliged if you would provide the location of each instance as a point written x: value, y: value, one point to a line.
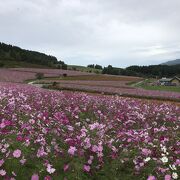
x: 145, y: 85
x: 163, y: 88
x: 19, y: 64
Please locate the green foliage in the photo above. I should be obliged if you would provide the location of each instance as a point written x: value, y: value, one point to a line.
x: 64, y: 66
x: 144, y: 71
x: 1, y: 64
x: 84, y: 69
x: 13, y: 53
x: 155, y: 70
x: 112, y: 70
x: 61, y: 65
x: 39, y: 75
x: 54, y: 84
x: 90, y: 65
x: 95, y: 66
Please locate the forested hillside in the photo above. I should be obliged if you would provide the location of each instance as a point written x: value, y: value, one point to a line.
x: 14, y: 56
x: 145, y: 71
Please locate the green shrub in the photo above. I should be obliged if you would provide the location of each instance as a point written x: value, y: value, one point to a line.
x: 39, y: 75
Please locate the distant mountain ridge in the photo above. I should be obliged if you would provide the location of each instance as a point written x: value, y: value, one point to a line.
x: 173, y: 62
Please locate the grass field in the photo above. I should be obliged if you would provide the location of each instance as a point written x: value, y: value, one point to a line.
x: 146, y: 85
x: 163, y: 88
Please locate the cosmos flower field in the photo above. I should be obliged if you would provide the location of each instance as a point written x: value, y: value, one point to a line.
x: 62, y: 135
x: 22, y: 74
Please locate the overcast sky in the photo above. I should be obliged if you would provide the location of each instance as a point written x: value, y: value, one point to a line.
x: 117, y: 32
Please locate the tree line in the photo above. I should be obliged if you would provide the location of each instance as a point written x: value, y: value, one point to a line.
x: 95, y: 66
x: 14, y: 53
x: 144, y: 71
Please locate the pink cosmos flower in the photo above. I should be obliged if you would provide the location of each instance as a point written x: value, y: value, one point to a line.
x: 141, y: 164
x: 91, y: 157
x: 47, y: 178
x: 151, y: 178
x: 167, y: 177
x: 100, y: 148
x: 17, y: 153
x: 31, y: 121
x: 88, y: 143
x: 66, y: 167
x: 94, y: 148
x: 72, y: 150
x: 89, y: 161
x: 23, y: 160
x: 70, y: 128
x: 19, y: 138
x: 2, y: 172
x: 163, y: 170
x: 2, y: 125
x: 93, y: 126
x: 1, y: 162
x: 7, y: 122
x: 49, y: 169
x: 41, y: 152
x: 35, y: 177
x: 178, y: 162
x: 146, y: 152
x: 87, y: 168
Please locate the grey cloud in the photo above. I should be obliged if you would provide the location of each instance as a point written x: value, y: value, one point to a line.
x: 117, y: 32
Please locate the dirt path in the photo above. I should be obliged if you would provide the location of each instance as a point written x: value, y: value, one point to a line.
x: 36, y: 85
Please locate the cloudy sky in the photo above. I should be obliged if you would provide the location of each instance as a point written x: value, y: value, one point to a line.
x: 117, y: 32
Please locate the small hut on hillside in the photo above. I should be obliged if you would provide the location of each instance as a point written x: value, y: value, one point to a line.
x: 175, y: 81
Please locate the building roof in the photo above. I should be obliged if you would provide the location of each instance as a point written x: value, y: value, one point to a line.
x: 169, y: 79
x: 165, y: 80
x: 175, y: 78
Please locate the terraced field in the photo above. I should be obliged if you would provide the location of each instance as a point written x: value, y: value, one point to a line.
x: 119, y: 85
x: 23, y: 74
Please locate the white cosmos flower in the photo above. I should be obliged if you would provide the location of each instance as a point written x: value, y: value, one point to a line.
x: 173, y: 167
x: 164, y: 149
x: 147, y: 159
x: 174, y: 175
x: 164, y: 159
